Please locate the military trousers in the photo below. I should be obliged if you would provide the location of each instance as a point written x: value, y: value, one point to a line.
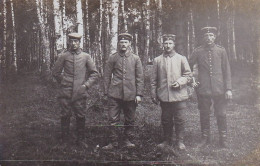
x: 170, y: 111
x: 116, y: 107
x: 219, y: 104
x: 68, y: 107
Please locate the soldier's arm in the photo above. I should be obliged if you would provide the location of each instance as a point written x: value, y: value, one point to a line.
x: 226, y: 71
x: 139, y: 78
x: 194, y: 68
x: 57, y: 69
x: 186, y: 72
x: 108, y: 73
x: 93, y: 73
x: 154, y: 79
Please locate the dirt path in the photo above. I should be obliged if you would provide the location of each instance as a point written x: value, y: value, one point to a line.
x: 29, y: 130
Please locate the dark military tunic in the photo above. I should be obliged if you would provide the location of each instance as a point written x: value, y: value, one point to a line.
x: 78, y: 69
x: 215, y: 79
x: 213, y: 70
x: 127, y: 81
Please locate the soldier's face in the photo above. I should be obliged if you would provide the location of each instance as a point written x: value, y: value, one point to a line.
x: 168, y: 45
x: 74, y: 44
x: 124, y: 44
x: 209, y: 38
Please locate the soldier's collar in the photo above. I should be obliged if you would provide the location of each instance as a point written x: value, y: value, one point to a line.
x: 78, y: 51
x: 126, y: 53
x: 209, y: 47
x: 170, y: 54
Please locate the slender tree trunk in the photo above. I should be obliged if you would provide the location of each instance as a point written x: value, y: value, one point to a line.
x: 44, y: 39
x: 114, y: 25
x: 159, y: 26
x: 87, y: 45
x: 107, y: 32
x: 122, y: 6
x: 233, y: 33
x: 3, y: 59
x: 219, y: 22
x: 14, y: 61
x: 180, y: 29
x: 147, y: 31
x: 188, y: 39
x: 192, y: 31
x: 228, y: 38
x: 100, y: 54
x: 64, y: 23
x: 58, y: 26
x: 80, y: 20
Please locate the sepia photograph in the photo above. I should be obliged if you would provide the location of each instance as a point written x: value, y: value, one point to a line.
x: 129, y: 83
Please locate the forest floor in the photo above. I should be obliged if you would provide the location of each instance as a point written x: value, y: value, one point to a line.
x: 30, y: 129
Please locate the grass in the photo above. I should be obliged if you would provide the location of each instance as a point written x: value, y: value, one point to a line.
x: 29, y: 129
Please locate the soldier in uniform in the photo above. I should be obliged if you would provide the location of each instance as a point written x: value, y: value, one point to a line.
x: 124, y: 83
x: 170, y: 75
x: 214, y: 76
x: 79, y: 74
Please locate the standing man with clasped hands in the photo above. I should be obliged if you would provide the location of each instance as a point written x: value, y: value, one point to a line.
x: 170, y: 75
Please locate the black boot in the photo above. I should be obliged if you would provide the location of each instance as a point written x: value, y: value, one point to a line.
x: 80, y: 124
x: 167, y: 137
x: 223, y: 139
x: 179, y: 130
x: 205, y: 138
x: 65, y: 129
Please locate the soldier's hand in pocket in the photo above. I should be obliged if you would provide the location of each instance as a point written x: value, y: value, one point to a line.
x: 154, y: 100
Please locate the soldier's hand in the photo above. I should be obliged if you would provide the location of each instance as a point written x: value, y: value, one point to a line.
x: 175, y: 85
x: 195, y: 84
x: 154, y: 100
x: 138, y: 99
x: 105, y: 97
x: 228, y: 95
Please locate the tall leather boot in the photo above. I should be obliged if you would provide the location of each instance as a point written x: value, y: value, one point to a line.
x: 167, y: 137
x: 80, y: 129
x: 223, y: 139
x: 205, y: 138
x: 128, y: 137
x: 113, y: 135
x: 179, y: 130
x: 65, y: 129
x: 222, y: 128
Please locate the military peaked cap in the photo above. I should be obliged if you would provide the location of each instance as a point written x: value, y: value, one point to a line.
x: 168, y: 37
x: 74, y: 35
x: 209, y: 30
x: 125, y: 36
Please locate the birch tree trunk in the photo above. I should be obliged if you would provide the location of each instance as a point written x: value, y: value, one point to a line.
x: 218, y: 10
x: 64, y: 24
x: 44, y: 39
x: 58, y: 25
x: 80, y: 20
x: 14, y: 61
x: 100, y: 54
x: 159, y: 26
x: 188, y: 39
x: 233, y: 32
x: 3, y: 59
x: 87, y: 38
x: 107, y: 32
x: 114, y: 25
x: 147, y: 31
x: 122, y: 6
x: 192, y: 31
